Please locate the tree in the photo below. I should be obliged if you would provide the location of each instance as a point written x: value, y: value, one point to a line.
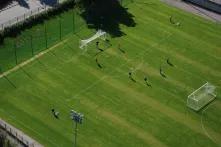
x: 106, y: 15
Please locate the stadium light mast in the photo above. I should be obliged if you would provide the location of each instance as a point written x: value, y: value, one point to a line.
x: 77, y: 118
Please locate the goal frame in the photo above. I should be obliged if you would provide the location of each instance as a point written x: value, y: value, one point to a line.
x: 201, y: 96
x: 99, y: 34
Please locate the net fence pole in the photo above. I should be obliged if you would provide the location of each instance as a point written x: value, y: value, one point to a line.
x: 73, y: 20
x: 46, y: 40
x: 60, y: 27
x: 15, y: 52
x: 75, y: 136
x: 32, y: 50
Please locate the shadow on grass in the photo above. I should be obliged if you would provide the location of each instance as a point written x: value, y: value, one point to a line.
x: 107, y: 15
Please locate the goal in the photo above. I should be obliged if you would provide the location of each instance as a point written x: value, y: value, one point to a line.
x: 99, y: 34
x: 201, y: 97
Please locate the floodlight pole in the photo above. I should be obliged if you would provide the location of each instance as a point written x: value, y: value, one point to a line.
x: 77, y: 118
x: 75, y: 136
x: 74, y: 19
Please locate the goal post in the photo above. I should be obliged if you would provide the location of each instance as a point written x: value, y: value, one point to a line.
x: 201, y: 97
x: 99, y: 34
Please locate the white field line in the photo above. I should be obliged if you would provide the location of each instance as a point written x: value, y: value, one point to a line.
x: 202, y: 124
x: 30, y: 60
x: 76, y: 95
x: 87, y: 88
x: 141, y: 54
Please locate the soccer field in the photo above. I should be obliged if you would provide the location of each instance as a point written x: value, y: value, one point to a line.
x: 118, y: 110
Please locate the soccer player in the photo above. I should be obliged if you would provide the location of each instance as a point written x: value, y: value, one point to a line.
x: 130, y: 76
x: 168, y: 62
x: 145, y: 79
x: 161, y: 73
x: 97, y: 44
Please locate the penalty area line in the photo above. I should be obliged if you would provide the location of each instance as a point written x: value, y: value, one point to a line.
x: 141, y: 54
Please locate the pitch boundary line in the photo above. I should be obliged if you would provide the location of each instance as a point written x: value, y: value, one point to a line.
x: 31, y: 59
x: 202, y: 124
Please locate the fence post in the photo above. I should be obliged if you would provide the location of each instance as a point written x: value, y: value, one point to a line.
x: 60, y: 26
x: 32, y: 50
x: 46, y: 39
x: 73, y: 20
x: 16, y: 60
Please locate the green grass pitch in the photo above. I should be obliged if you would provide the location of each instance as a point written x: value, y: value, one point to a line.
x: 119, y: 111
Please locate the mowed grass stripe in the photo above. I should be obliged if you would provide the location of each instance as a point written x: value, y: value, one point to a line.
x: 147, y: 36
x: 110, y: 103
x: 180, y: 36
x: 140, y: 97
x: 148, y: 138
x: 162, y: 17
x: 151, y: 58
x: 47, y: 111
x: 197, y: 66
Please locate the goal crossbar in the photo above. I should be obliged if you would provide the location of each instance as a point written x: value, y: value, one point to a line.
x: 98, y: 34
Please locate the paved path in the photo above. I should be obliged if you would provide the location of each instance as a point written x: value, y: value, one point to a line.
x: 24, y: 7
x: 26, y: 140
x: 216, y: 1
x: 194, y: 9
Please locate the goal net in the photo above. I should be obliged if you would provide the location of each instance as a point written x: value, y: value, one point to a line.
x: 99, y: 34
x: 201, y: 97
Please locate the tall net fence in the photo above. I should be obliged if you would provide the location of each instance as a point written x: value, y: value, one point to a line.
x: 38, y: 38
